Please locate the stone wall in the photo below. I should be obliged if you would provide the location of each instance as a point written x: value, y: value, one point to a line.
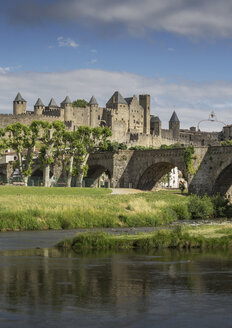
x: 7, y: 119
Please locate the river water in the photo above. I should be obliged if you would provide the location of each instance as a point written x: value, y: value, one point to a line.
x: 44, y: 287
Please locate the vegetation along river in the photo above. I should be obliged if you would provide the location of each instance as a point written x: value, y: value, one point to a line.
x: 47, y: 287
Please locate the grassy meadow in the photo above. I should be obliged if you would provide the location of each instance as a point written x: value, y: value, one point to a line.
x: 202, y: 237
x: 37, y: 208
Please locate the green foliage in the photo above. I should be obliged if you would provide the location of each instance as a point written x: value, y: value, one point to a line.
x: 81, y: 103
x: 181, y: 210
x: 188, y: 160
x: 173, y: 146
x: 222, y: 206
x: 138, y: 148
x: 159, y: 240
x: 200, y: 207
x: 113, y: 146
x: 226, y: 142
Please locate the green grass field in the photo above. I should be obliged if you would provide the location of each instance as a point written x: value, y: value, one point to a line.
x: 37, y: 208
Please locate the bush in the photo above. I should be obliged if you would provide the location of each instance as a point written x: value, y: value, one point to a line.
x: 222, y: 206
x: 200, y: 207
x: 182, y: 211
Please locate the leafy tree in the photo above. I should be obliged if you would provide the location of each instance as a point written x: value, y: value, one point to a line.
x: 72, y: 148
x: 89, y: 140
x: 3, y: 142
x: 51, y: 146
x: 82, y: 103
x: 226, y: 142
x: 112, y: 146
x: 22, y: 139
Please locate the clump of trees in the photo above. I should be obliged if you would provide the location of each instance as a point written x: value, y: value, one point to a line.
x: 81, y: 103
x: 50, y: 142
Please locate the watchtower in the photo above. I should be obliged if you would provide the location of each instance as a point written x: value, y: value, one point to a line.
x: 39, y: 107
x: 93, y: 111
x: 174, y: 125
x: 145, y: 102
x: 68, y: 110
x: 19, y: 105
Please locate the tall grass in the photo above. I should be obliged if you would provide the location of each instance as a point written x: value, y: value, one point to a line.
x: 159, y: 239
x: 37, y: 208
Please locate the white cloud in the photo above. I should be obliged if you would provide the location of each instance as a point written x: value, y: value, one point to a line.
x: 94, y: 51
x: 4, y: 70
x: 171, y: 49
x: 193, y: 101
x: 66, y: 42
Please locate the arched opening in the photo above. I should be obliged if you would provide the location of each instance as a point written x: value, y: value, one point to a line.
x: 223, y: 183
x: 161, y: 175
x: 97, y: 176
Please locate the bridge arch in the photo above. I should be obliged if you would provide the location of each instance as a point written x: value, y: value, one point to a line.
x: 150, y: 178
x: 223, y: 182
x: 95, y: 172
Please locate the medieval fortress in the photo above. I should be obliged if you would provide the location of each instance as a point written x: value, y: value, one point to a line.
x: 128, y: 118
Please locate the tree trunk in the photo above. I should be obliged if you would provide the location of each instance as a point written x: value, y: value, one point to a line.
x: 25, y: 180
x: 69, y: 174
x: 46, y: 175
x: 80, y: 176
x: 20, y: 166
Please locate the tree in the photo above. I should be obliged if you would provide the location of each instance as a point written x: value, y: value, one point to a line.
x: 89, y: 140
x: 82, y: 103
x: 22, y: 139
x: 52, y: 144
x: 71, y: 147
x: 3, y: 142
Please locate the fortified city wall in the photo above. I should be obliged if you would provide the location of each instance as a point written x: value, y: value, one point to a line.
x: 129, y: 119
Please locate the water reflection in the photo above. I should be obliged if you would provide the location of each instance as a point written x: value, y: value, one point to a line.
x: 47, y: 287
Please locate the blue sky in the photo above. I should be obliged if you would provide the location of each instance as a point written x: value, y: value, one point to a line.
x: 179, y: 51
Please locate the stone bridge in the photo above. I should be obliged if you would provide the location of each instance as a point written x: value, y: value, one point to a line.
x: 143, y: 169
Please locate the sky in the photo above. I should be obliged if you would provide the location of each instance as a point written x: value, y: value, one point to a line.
x: 178, y: 51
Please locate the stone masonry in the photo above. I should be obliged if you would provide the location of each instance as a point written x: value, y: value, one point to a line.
x: 129, y: 119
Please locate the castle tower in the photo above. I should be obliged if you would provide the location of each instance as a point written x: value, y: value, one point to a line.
x: 155, y: 124
x: 116, y: 101
x: 174, y: 126
x: 52, y: 104
x: 145, y: 102
x: 68, y: 110
x: 93, y: 112
x: 39, y: 107
x: 19, y: 105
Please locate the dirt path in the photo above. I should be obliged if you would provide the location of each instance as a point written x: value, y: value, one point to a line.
x: 125, y: 191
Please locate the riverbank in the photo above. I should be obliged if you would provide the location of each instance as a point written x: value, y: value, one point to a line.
x: 187, y: 237
x: 38, y: 208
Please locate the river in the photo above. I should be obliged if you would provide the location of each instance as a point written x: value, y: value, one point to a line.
x: 41, y: 286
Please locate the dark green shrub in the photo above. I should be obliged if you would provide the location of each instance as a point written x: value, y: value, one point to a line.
x: 182, y: 211
x: 222, y: 206
x: 200, y: 207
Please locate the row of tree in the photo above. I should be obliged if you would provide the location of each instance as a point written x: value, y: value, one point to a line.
x: 52, y: 142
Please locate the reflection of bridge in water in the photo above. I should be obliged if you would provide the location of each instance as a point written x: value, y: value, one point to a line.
x: 143, y: 169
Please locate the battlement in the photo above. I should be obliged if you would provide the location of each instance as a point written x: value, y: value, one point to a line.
x: 51, y: 112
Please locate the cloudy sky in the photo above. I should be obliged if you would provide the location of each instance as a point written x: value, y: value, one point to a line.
x: 179, y: 51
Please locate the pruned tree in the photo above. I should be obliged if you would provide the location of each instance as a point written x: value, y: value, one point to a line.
x: 51, y: 144
x: 89, y: 140
x: 22, y: 139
